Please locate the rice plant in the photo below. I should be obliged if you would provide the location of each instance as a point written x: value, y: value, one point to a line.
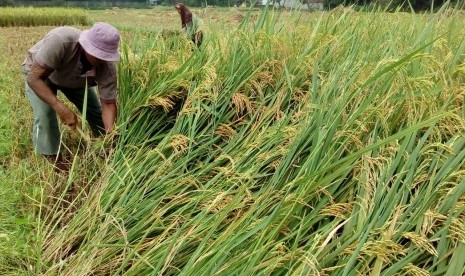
x: 33, y: 16
x: 323, y: 146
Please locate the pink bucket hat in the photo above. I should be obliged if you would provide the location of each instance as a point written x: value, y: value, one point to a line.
x: 101, y: 41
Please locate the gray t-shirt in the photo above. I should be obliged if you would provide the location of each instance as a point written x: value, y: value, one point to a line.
x: 60, y: 50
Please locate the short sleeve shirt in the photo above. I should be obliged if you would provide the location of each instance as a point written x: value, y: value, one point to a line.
x: 60, y: 50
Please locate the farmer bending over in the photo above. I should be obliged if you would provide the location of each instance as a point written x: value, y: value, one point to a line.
x: 190, y: 23
x: 68, y: 59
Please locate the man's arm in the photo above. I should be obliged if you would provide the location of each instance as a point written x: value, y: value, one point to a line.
x: 36, y: 81
x: 109, y: 111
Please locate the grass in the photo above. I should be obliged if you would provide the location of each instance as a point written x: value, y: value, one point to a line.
x: 31, y: 16
x: 18, y: 245
x: 327, y: 143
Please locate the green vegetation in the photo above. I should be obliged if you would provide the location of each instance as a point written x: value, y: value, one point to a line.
x: 417, y: 5
x: 30, y: 16
x: 18, y: 173
x: 292, y: 144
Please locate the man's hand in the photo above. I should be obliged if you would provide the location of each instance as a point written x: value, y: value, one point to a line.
x: 67, y: 116
x: 109, y: 111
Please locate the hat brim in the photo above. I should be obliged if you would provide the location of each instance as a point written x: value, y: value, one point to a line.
x: 94, y: 51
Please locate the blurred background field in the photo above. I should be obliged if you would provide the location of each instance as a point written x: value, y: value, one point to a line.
x: 314, y: 143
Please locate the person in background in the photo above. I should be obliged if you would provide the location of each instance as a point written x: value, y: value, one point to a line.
x: 71, y: 61
x: 190, y: 23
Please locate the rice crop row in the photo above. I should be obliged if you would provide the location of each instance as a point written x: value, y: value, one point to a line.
x: 33, y: 16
